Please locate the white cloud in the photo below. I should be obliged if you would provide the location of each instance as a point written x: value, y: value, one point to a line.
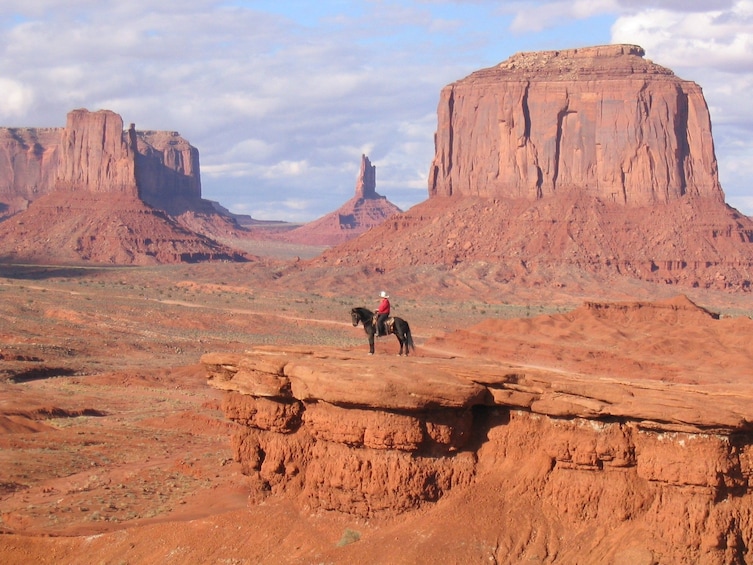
x: 286, y: 169
x: 282, y: 99
x: 544, y: 15
x: 16, y: 98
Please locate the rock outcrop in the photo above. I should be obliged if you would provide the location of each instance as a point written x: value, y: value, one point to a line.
x: 93, y: 153
x: 557, y: 166
x: 601, y: 121
x: 103, y: 194
x: 602, y: 443
x: 367, y: 209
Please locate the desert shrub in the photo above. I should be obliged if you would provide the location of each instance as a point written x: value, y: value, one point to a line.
x: 349, y: 536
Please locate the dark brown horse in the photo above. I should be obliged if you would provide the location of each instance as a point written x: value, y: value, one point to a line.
x: 393, y: 325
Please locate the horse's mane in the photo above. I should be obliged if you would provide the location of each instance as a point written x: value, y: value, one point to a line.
x: 363, y: 312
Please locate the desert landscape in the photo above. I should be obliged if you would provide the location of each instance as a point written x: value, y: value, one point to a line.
x: 177, y: 386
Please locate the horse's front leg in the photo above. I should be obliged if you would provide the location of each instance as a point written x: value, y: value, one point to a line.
x: 371, y: 343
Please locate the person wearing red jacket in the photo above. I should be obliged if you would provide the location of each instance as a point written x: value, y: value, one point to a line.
x: 383, y: 312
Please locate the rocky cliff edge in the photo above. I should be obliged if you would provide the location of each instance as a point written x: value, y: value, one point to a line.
x: 657, y: 454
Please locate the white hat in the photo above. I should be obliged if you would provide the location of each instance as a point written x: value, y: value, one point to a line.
x: 384, y: 294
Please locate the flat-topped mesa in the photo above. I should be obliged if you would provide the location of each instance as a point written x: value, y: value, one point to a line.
x: 93, y: 153
x: 601, y: 121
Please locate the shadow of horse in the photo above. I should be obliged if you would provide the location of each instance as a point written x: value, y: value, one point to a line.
x: 394, y: 325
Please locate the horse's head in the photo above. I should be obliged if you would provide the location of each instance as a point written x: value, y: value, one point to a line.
x: 355, y: 317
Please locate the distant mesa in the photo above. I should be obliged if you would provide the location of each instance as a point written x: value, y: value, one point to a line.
x: 63, y: 189
x: 94, y: 192
x: 591, y: 160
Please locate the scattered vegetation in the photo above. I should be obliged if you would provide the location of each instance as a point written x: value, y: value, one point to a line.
x: 349, y: 536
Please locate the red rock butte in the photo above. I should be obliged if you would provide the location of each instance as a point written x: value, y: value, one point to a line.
x: 105, y: 195
x: 602, y: 121
x: 560, y: 166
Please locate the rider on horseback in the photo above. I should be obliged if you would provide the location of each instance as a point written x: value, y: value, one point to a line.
x: 382, y: 313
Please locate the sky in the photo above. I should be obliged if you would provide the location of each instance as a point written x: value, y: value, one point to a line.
x: 282, y: 97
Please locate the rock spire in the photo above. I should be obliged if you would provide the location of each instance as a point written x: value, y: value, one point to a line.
x: 366, y: 183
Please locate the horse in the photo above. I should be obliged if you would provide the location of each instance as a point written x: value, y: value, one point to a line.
x: 393, y: 325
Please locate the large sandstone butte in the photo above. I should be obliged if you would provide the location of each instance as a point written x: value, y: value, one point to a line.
x: 104, y: 195
x: 93, y: 153
x: 601, y: 121
x: 586, y: 437
x: 592, y: 160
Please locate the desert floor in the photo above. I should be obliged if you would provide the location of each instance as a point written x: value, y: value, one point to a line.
x: 113, y: 449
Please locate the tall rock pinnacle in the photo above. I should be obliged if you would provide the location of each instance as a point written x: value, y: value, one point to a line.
x: 367, y: 209
x: 366, y: 183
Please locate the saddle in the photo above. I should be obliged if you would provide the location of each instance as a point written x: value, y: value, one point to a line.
x: 389, y: 325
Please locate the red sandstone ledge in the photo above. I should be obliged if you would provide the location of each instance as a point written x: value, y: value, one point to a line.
x: 668, y: 365
x: 351, y: 379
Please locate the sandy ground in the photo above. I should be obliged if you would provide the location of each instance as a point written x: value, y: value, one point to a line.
x: 113, y: 449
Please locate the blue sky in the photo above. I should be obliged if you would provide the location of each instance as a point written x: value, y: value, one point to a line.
x: 282, y: 97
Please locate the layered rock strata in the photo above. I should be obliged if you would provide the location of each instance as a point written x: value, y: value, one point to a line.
x: 601, y: 121
x: 93, y: 153
x: 651, y: 459
x: 105, y: 195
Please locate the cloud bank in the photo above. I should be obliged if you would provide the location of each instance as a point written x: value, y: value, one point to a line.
x: 282, y: 98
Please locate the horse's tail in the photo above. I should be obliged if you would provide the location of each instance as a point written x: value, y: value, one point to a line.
x: 409, y: 337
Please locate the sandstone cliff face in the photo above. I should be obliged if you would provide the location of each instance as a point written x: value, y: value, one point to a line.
x: 167, y: 172
x: 94, y: 154
x: 578, y: 432
x: 105, y: 195
x: 28, y: 165
x: 600, y: 121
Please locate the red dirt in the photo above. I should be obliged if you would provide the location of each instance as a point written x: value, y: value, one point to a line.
x: 115, y: 449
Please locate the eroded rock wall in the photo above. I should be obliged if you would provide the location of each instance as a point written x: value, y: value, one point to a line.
x: 28, y: 164
x: 93, y: 153
x: 96, y: 155
x: 167, y: 171
x: 590, y: 471
x: 600, y: 121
